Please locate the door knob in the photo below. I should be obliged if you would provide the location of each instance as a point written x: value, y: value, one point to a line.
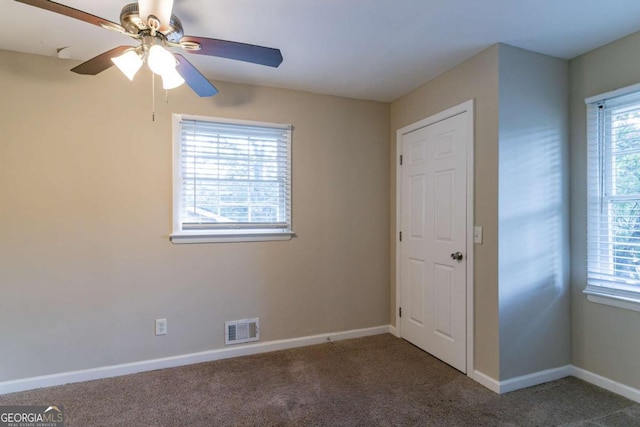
x: 457, y: 256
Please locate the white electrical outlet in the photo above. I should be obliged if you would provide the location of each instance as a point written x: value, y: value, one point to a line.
x: 161, y: 326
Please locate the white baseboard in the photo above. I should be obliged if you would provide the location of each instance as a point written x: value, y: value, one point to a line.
x: 186, y: 359
x: 535, y: 378
x: 492, y: 384
x: 524, y: 381
x: 486, y: 380
x: 393, y: 331
x: 606, y: 383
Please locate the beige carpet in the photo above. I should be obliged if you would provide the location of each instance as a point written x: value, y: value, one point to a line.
x: 372, y: 381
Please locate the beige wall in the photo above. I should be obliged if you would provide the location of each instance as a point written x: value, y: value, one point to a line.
x: 85, y: 212
x: 85, y: 185
x: 605, y: 340
x: 475, y: 79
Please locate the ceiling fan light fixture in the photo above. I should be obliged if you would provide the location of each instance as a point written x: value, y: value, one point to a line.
x: 160, y: 60
x: 153, y: 25
x: 171, y: 79
x: 129, y: 63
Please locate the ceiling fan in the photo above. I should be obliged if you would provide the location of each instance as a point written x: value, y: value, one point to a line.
x: 152, y: 23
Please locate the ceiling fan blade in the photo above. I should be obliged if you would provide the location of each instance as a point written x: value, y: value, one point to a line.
x: 101, y: 62
x: 194, y: 78
x: 71, y: 12
x: 234, y: 50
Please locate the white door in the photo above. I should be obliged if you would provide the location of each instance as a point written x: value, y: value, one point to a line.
x: 433, y: 223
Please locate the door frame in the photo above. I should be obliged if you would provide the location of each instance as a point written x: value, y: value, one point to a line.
x: 465, y: 107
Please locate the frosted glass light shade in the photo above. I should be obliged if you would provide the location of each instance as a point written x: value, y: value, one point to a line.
x: 161, y: 9
x: 160, y: 60
x: 129, y: 63
x: 171, y: 79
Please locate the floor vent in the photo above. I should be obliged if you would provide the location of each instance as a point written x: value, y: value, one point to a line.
x: 239, y: 331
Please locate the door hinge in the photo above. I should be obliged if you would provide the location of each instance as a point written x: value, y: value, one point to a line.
x: 400, y: 159
x: 400, y: 311
x: 401, y: 236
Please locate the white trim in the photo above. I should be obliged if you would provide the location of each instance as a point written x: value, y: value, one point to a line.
x: 176, y: 170
x: 613, y: 94
x: 393, y: 331
x: 284, y: 126
x: 524, y: 381
x: 548, y: 375
x: 470, y: 234
x: 181, y: 360
x: 481, y: 378
x: 485, y: 380
x: 535, y: 378
x: 182, y: 238
x: 398, y: 225
x: 443, y: 115
x: 465, y: 107
x: 606, y: 383
x: 612, y: 298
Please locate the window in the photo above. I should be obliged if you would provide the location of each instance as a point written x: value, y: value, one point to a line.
x: 231, y: 180
x: 613, y: 198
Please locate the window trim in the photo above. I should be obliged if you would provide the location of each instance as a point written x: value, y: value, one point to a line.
x: 601, y: 291
x: 612, y: 297
x: 242, y: 233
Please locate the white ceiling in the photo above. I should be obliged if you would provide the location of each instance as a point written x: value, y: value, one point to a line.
x: 367, y: 49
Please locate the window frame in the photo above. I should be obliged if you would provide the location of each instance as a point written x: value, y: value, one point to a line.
x: 599, y: 289
x: 242, y: 232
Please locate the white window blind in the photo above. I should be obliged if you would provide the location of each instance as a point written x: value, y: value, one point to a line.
x: 231, y: 178
x: 613, y: 198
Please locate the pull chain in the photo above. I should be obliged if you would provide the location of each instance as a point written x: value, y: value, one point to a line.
x: 153, y: 97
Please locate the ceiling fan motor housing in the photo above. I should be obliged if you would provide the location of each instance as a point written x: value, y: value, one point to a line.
x: 133, y: 24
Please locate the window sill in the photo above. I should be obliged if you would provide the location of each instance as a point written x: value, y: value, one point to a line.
x: 186, y: 238
x: 615, y: 298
